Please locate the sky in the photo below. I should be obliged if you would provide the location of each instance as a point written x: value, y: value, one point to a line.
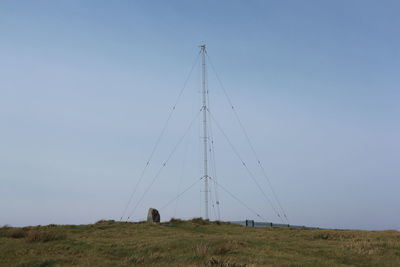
x: 86, y: 87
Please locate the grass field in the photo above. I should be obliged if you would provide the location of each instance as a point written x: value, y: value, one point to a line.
x: 194, y: 243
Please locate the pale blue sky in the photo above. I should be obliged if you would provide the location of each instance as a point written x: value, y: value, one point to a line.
x: 85, y: 87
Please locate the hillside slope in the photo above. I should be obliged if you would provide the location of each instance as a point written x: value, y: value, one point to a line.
x: 194, y: 243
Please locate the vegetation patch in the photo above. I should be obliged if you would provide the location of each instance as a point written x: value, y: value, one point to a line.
x: 196, y: 242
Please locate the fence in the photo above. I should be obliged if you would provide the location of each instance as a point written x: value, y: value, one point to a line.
x: 251, y: 223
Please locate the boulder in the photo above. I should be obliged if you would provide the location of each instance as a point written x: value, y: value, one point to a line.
x: 153, y: 216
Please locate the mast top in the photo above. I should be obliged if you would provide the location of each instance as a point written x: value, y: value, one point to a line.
x: 202, y: 47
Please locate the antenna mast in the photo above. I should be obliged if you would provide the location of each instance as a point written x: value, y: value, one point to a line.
x: 205, y: 136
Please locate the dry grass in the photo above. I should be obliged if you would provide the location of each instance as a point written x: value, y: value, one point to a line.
x: 201, y: 249
x: 194, y: 243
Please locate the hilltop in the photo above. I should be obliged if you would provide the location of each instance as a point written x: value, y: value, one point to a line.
x: 193, y: 243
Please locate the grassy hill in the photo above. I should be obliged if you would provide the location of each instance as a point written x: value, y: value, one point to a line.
x: 194, y: 243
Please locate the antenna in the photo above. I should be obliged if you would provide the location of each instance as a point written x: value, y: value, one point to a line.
x: 205, y: 137
x: 207, y: 150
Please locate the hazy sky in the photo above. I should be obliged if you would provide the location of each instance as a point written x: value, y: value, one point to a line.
x: 86, y: 86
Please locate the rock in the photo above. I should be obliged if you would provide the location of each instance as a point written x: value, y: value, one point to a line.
x: 153, y: 216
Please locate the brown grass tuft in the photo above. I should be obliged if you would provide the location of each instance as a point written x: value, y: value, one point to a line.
x: 201, y: 249
x: 228, y: 247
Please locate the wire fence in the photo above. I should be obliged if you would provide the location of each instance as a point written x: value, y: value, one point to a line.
x: 251, y: 223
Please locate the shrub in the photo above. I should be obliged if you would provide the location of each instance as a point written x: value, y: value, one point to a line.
x: 107, y: 222
x: 40, y: 236
x: 12, y: 232
x: 175, y: 220
x: 17, y: 233
x: 223, y: 263
x: 38, y: 263
x: 199, y: 221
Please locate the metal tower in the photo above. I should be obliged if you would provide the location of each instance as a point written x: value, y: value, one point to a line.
x: 205, y: 136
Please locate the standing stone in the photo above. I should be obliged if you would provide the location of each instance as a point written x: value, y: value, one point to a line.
x: 153, y: 216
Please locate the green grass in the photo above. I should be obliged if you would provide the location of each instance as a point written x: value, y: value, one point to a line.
x: 194, y: 243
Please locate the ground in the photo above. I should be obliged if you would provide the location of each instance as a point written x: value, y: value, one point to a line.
x: 194, y: 243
